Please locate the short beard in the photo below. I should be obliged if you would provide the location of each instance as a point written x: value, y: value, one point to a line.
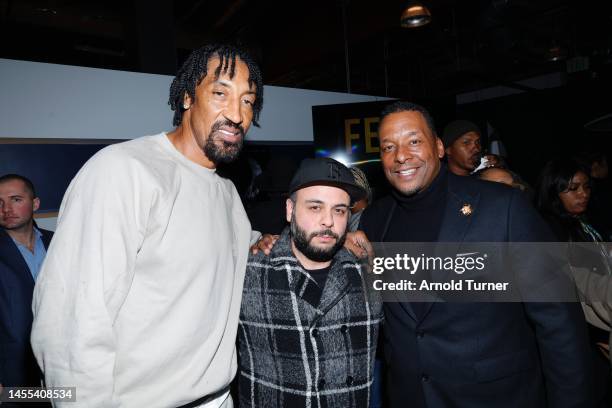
x: 17, y: 226
x: 302, y: 243
x: 226, y: 152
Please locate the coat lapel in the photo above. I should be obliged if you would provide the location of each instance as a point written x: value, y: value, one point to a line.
x: 299, y: 282
x: 460, y: 210
x: 458, y: 215
x: 304, y: 287
x: 410, y: 311
x: 391, y: 211
x: 339, y: 281
x: 10, y: 255
x: 337, y: 285
x: 46, y: 237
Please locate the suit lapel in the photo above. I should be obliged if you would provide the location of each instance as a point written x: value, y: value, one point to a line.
x: 46, y: 237
x: 391, y: 212
x: 10, y: 255
x: 458, y: 214
x: 410, y: 311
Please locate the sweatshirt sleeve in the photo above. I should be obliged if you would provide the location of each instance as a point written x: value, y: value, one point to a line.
x: 255, y: 235
x: 87, y: 275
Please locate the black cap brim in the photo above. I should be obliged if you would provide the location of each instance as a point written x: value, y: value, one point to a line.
x: 355, y: 192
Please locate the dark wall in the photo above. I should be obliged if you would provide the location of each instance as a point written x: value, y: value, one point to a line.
x: 50, y: 166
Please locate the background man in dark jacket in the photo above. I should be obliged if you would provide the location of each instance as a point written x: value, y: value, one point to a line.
x: 23, y: 247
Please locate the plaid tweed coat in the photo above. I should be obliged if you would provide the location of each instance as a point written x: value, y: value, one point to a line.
x: 296, y: 350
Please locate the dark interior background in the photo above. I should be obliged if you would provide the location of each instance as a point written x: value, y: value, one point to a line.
x: 358, y: 46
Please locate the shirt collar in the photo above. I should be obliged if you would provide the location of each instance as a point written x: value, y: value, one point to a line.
x: 37, y: 237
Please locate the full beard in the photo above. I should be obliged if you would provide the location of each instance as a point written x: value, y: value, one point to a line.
x: 222, y: 151
x: 302, y: 243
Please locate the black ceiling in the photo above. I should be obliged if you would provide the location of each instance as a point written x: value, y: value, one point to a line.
x: 470, y: 44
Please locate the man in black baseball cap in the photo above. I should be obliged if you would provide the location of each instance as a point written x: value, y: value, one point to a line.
x: 303, y: 302
x: 461, y: 140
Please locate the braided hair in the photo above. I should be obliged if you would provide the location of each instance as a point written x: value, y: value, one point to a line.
x: 362, y: 181
x: 193, y: 71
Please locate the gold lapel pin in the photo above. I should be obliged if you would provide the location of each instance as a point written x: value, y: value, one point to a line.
x: 466, y: 210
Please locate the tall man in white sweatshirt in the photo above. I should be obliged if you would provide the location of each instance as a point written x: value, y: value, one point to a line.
x: 137, y: 303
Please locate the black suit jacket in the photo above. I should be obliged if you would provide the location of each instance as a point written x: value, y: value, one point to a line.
x: 483, y: 354
x: 17, y: 363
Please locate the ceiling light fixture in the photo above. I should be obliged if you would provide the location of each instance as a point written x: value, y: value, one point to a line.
x: 415, y: 15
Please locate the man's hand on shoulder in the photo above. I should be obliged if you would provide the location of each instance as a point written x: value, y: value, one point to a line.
x: 264, y: 244
x: 358, y: 244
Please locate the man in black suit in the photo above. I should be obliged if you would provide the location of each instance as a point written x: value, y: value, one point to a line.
x: 22, y: 249
x: 476, y: 355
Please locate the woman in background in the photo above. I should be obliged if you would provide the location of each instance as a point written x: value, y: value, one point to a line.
x: 563, y: 195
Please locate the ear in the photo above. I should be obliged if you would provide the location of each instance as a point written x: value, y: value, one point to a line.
x: 36, y: 204
x: 289, y: 209
x: 440, y: 148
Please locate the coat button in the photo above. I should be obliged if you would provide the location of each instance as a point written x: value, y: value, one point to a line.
x: 349, y: 380
x: 344, y: 328
x: 420, y: 334
x: 321, y: 383
x: 315, y: 332
x: 425, y: 378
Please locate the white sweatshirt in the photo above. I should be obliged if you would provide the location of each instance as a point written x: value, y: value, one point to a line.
x: 138, y: 299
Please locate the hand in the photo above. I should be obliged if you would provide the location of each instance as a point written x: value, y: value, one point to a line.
x: 605, y: 349
x: 359, y: 245
x: 265, y: 244
x: 492, y: 160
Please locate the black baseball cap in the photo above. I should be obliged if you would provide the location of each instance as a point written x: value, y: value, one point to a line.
x: 325, y: 171
x: 457, y: 128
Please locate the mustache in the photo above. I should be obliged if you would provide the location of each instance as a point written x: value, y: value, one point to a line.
x: 227, y: 123
x: 327, y: 232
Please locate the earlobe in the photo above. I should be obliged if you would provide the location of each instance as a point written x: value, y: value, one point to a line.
x: 441, y: 149
x: 36, y: 203
x: 187, y: 102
